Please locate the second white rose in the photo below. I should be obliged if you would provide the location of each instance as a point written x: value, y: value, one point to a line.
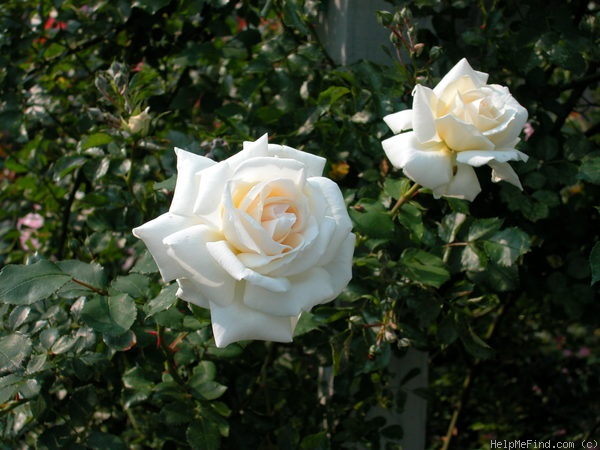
x: 461, y: 123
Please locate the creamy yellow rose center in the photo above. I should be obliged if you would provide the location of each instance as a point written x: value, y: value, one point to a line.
x: 270, y: 212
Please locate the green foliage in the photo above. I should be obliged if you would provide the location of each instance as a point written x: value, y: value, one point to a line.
x: 97, y: 352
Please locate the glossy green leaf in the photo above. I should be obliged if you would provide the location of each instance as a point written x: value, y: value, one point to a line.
x: 203, y: 435
x: 162, y: 301
x: 507, y: 245
x: 96, y: 140
x: 590, y: 169
x: 135, y: 284
x: 423, y: 267
x: 92, y: 275
x: 24, y: 285
x: 14, y: 348
x: 113, y: 315
x: 372, y: 219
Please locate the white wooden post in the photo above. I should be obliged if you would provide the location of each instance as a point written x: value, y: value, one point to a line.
x: 350, y: 32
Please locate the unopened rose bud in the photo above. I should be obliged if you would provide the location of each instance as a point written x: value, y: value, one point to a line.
x: 140, y: 122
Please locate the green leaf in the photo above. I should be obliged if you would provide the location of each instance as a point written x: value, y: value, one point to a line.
x: 90, y: 273
x: 98, y: 440
x: 507, y: 245
x: 410, y: 216
x: 595, y: 263
x: 209, y: 390
x: 318, y: 441
x: 332, y: 94
x: 162, y: 301
x: 590, y: 169
x: 134, y: 284
x: 14, y: 348
x: 423, y: 267
x: 112, y: 316
x: 481, y: 228
x: 372, y: 219
x: 168, y: 184
x: 473, y: 343
x: 96, y: 140
x: 203, y: 435
x: 204, y: 371
x: 26, y: 284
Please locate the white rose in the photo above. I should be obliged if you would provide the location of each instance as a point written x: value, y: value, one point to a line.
x: 462, y: 122
x: 257, y: 238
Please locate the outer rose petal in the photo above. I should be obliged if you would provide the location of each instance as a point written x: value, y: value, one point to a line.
x: 463, y: 185
x: 237, y: 322
x: 460, y: 69
x: 478, y: 158
x: 307, y: 289
x: 430, y: 166
x: 503, y: 171
x: 340, y: 267
x: 336, y: 210
x: 223, y: 254
x: 192, y: 292
x: 400, y: 121
x: 188, y: 180
x: 154, y: 232
x: 263, y: 168
x: 424, y: 109
x: 313, y: 164
x: 188, y: 248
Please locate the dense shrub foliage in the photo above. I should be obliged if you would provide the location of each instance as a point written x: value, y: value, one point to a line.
x: 97, y: 352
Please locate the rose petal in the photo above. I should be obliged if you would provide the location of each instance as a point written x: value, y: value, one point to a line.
x: 207, y: 200
x: 399, y: 121
x: 313, y: 164
x: 307, y: 289
x: 430, y: 166
x: 461, y: 69
x: 237, y: 322
x: 225, y: 257
x: 423, y: 117
x: 244, y: 232
x: 463, y: 185
x: 154, y: 232
x: 478, y: 158
x: 461, y: 136
x: 337, y: 210
x: 188, y: 248
x: 188, y: 180
x: 503, y: 171
x: 263, y: 168
x: 340, y: 266
x: 312, y: 252
x: 191, y: 292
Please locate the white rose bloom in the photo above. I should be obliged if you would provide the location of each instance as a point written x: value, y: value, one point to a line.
x: 257, y: 238
x: 461, y: 123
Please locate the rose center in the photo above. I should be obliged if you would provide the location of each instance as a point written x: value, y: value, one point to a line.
x: 276, y: 207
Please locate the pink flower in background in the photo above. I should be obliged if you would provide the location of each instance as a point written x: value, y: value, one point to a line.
x: 28, y: 226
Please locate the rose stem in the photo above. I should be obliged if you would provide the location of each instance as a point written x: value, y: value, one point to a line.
x: 407, y: 196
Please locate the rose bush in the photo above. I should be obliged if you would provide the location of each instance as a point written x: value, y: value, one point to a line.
x: 257, y: 238
x: 461, y: 123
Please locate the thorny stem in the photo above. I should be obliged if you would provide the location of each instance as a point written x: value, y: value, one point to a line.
x: 404, y: 198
